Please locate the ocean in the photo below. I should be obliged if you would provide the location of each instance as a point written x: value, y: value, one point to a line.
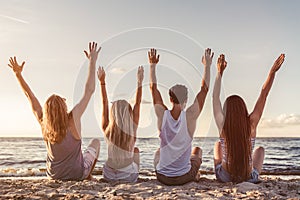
x: 21, y: 157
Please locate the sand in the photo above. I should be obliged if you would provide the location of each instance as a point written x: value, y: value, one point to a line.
x: 148, y: 187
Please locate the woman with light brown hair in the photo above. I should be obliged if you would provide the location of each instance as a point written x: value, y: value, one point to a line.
x: 62, y: 129
x: 120, y: 129
x: 233, y: 157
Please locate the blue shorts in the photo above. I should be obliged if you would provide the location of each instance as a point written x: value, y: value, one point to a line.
x: 223, y: 176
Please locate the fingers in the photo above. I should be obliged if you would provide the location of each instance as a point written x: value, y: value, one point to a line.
x: 11, y: 61
x: 221, y: 60
x: 100, y: 72
x: 152, y: 56
x: 99, y: 50
x: 15, y: 60
x: 86, y: 54
x: 23, y: 63
x: 141, y: 69
x: 90, y: 46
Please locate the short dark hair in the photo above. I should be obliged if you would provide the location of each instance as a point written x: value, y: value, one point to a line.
x: 178, y: 94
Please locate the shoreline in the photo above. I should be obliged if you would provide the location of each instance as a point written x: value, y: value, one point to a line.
x: 148, y: 188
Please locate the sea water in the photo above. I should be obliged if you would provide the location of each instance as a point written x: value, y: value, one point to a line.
x: 27, y: 156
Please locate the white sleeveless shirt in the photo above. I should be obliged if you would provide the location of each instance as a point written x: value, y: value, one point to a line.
x: 175, y: 146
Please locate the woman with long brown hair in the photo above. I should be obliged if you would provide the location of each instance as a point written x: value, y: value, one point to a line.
x: 233, y: 157
x: 62, y: 129
x: 120, y: 133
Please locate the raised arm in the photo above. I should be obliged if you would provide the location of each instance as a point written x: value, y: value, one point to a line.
x: 261, y: 101
x: 195, y: 109
x: 105, y: 117
x: 138, y: 97
x: 156, y: 96
x: 79, y: 109
x: 35, y: 104
x: 217, y: 107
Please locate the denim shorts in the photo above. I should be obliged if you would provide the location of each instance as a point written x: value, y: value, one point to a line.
x: 223, y: 176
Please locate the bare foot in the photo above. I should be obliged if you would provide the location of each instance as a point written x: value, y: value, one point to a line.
x: 197, y: 177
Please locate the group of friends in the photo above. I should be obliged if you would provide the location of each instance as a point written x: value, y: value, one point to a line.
x: 175, y: 162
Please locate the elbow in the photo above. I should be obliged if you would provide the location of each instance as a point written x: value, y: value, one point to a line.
x: 104, y: 126
x: 90, y: 90
x: 265, y: 92
x: 151, y: 86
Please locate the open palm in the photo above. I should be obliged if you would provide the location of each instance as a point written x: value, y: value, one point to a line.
x: 15, y: 66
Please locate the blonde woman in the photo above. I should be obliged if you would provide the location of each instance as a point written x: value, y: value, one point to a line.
x: 120, y: 132
x: 62, y: 129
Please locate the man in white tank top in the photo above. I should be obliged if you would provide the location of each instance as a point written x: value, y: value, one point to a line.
x: 175, y: 162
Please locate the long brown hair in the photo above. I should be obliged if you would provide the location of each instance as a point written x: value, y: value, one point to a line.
x: 237, y: 133
x: 55, y: 119
x: 121, y: 131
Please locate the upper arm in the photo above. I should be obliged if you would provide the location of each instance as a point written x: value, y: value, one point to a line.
x: 217, y: 107
x: 136, y: 114
x: 105, y: 118
x: 159, y: 111
x: 37, y: 109
x: 35, y: 105
x: 156, y: 96
x: 218, y: 113
x: 158, y: 103
x: 195, y: 109
x: 79, y: 109
x: 258, y: 108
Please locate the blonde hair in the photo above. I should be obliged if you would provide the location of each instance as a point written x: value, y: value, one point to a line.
x: 55, y: 119
x: 120, y: 131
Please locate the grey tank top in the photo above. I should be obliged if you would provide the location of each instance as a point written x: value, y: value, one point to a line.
x: 64, y: 160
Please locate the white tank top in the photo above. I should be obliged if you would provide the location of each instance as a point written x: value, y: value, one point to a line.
x: 175, y: 146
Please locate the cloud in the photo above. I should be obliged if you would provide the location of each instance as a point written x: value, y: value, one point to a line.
x: 146, y: 102
x: 14, y: 19
x: 281, y: 121
x: 119, y: 70
x: 132, y: 101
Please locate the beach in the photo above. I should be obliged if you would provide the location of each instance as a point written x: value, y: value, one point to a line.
x: 23, y: 175
x: 147, y: 187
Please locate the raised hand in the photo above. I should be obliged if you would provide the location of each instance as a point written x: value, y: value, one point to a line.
x: 101, y: 75
x: 207, y: 57
x: 140, y: 74
x: 153, y: 59
x: 15, y: 66
x: 93, y: 54
x: 277, y: 64
x: 221, y: 64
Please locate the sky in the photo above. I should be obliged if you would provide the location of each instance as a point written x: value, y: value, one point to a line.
x: 52, y: 35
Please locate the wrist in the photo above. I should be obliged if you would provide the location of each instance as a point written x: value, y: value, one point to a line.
x: 93, y: 61
x: 102, y: 82
x: 207, y: 65
x: 18, y: 74
x: 139, y: 82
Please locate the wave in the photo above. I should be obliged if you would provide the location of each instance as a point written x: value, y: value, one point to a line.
x: 32, y: 172
x: 23, y: 162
